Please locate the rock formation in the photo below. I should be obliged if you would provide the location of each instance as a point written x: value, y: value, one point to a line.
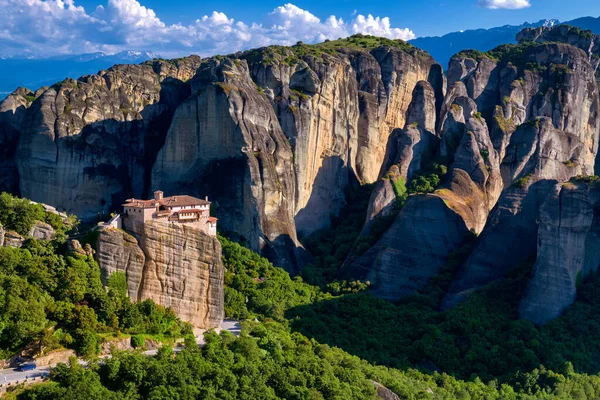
x: 274, y: 135
x: 39, y: 230
x: 175, y: 265
x: 13, y: 239
x: 12, y: 115
x: 85, y: 145
x: 554, y: 140
x: 568, y: 249
x: 513, y: 124
x: 42, y: 231
x: 586, y: 40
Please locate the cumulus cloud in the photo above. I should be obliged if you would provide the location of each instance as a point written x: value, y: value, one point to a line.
x: 44, y: 27
x: 505, y: 4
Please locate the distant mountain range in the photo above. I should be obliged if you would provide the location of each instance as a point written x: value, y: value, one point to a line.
x: 442, y: 48
x: 34, y: 72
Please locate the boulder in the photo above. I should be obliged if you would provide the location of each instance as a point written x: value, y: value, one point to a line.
x: 13, y: 239
x: 42, y: 231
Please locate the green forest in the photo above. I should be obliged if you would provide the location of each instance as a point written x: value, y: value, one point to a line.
x: 303, y: 337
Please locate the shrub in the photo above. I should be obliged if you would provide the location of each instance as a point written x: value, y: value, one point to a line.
x: 137, y: 341
x: 523, y: 181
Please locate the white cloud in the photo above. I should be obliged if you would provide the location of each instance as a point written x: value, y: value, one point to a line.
x: 505, y: 4
x: 59, y: 26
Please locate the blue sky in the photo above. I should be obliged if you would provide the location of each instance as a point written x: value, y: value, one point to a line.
x: 424, y: 17
x: 173, y: 28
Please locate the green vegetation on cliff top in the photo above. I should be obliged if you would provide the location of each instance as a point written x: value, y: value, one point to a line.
x: 297, y: 52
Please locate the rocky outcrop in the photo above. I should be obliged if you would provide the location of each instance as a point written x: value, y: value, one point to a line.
x: 173, y: 264
x: 12, y: 115
x: 1, y: 235
x: 74, y: 246
x: 510, y: 128
x: 338, y: 110
x: 226, y: 141
x: 406, y: 147
x: 430, y: 227
x: 412, y: 250
x: 586, y: 40
x: 383, y: 200
x: 568, y: 249
x: 85, y: 145
x: 13, y: 239
x: 297, y: 129
x: 117, y: 250
x: 42, y: 231
x: 548, y: 140
x: 384, y: 393
x: 275, y: 135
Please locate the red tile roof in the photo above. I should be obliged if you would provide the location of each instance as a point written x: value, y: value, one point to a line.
x: 173, y: 201
x: 183, y: 200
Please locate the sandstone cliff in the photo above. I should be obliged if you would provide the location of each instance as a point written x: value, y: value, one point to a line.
x: 175, y: 265
x: 550, y: 121
x: 273, y: 135
x: 12, y: 115
x: 568, y: 249
x: 85, y: 145
x: 512, y: 124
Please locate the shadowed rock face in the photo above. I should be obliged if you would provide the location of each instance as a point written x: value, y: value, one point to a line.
x: 175, y: 265
x: 412, y: 250
x: 12, y: 114
x: 568, y: 249
x: 86, y: 145
x: 544, y: 139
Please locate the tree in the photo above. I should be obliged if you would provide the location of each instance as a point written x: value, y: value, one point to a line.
x: 117, y: 282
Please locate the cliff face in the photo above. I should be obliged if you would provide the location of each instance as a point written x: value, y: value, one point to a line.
x: 273, y: 135
x: 225, y: 140
x: 175, y: 265
x: 550, y: 139
x: 511, y: 126
x: 338, y: 111
x: 585, y: 40
x: 12, y: 114
x: 568, y: 249
x: 87, y: 144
